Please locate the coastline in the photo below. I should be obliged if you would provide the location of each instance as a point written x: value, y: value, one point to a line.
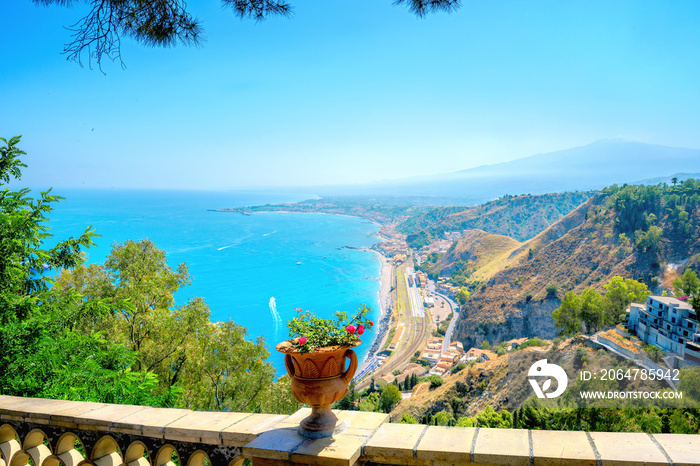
x: 384, y: 299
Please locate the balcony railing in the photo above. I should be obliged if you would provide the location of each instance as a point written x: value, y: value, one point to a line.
x: 43, y: 432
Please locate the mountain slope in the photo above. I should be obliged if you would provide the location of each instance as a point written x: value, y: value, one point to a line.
x: 633, y: 231
x: 520, y: 217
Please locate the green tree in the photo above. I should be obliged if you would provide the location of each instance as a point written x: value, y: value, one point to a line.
x: 226, y: 371
x: 210, y: 365
x: 620, y: 292
x: 690, y: 382
x: 654, y: 353
x: 687, y: 285
x: 369, y: 403
x: 592, y: 310
x: 407, y: 419
x: 138, y: 283
x: 466, y: 422
x: 490, y: 418
x: 443, y: 418
x: 435, y: 381
x: 567, y: 317
x: 390, y: 396
x: 52, y: 343
x: 463, y: 295
x: 23, y: 258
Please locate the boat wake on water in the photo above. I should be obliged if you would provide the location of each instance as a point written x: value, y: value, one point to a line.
x: 275, y: 315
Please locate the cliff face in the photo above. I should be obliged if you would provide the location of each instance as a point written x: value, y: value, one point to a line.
x: 523, y: 319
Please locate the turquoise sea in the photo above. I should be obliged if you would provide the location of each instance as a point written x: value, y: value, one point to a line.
x: 252, y: 269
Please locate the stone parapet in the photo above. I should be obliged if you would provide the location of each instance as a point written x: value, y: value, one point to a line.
x: 42, y: 432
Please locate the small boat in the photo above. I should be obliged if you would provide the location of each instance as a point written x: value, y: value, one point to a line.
x: 298, y: 263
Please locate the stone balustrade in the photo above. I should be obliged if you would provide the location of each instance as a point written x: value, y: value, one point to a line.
x: 40, y: 432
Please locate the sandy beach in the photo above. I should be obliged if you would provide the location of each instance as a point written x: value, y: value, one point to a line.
x: 382, y: 327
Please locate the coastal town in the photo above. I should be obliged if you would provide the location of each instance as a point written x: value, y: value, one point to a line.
x: 418, y: 316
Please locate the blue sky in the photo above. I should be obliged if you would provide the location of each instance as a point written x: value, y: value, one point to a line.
x: 348, y: 91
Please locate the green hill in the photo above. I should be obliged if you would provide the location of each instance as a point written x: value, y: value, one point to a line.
x: 629, y: 231
x: 520, y: 217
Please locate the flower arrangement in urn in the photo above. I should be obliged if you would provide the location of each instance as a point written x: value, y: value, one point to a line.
x: 311, y: 332
x: 315, y: 358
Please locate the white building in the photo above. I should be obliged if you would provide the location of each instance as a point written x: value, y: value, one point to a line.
x: 670, y: 324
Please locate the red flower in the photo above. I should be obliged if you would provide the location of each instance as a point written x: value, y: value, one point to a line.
x: 302, y: 341
x: 370, y: 323
x: 351, y: 329
x: 360, y: 330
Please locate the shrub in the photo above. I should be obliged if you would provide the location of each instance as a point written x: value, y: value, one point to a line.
x: 435, y: 381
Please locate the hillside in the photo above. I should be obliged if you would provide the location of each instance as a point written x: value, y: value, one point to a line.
x: 476, y: 256
x: 519, y: 217
x: 502, y: 384
x: 630, y: 231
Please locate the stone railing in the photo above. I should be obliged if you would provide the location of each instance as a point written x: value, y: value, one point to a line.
x: 41, y: 432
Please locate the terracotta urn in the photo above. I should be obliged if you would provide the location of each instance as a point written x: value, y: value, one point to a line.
x: 319, y: 379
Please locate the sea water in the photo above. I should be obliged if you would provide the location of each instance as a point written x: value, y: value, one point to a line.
x: 253, y: 269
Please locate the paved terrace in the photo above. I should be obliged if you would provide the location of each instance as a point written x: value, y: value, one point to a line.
x: 41, y: 432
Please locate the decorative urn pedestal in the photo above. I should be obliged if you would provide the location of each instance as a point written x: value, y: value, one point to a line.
x: 319, y: 379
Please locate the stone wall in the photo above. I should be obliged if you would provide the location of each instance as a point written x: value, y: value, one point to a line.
x: 67, y: 433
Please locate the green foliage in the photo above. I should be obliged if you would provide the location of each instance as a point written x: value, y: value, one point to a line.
x: 407, y: 419
x: 580, y: 357
x: 442, y: 418
x: 490, y: 418
x: 690, y: 382
x: 311, y: 332
x: 369, y: 403
x: 109, y: 332
x: 463, y: 295
x: 466, y: 422
x: 435, y: 381
x: 567, y: 317
x: 533, y: 342
x: 390, y: 396
x: 649, y: 240
x: 458, y: 367
x: 23, y: 259
x: 620, y: 292
x: 593, y: 312
x: 687, y: 285
x: 485, y: 345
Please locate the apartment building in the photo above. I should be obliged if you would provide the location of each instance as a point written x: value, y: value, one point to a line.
x: 670, y: 324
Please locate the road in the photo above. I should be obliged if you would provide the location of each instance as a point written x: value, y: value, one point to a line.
x: 450, y: 328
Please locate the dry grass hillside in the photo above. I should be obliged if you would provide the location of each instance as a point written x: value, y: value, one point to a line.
x: 503, y: 384
x: 478, y: 253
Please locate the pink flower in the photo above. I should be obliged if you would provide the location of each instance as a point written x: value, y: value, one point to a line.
x: 360, y: 330
x: 351, y: 329
x: 370, y: 323
x: 302, y: 341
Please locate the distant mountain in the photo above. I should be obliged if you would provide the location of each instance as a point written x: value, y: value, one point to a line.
x: 594, y: 166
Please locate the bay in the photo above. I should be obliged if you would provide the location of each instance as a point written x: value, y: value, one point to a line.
x: 252, y: 269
